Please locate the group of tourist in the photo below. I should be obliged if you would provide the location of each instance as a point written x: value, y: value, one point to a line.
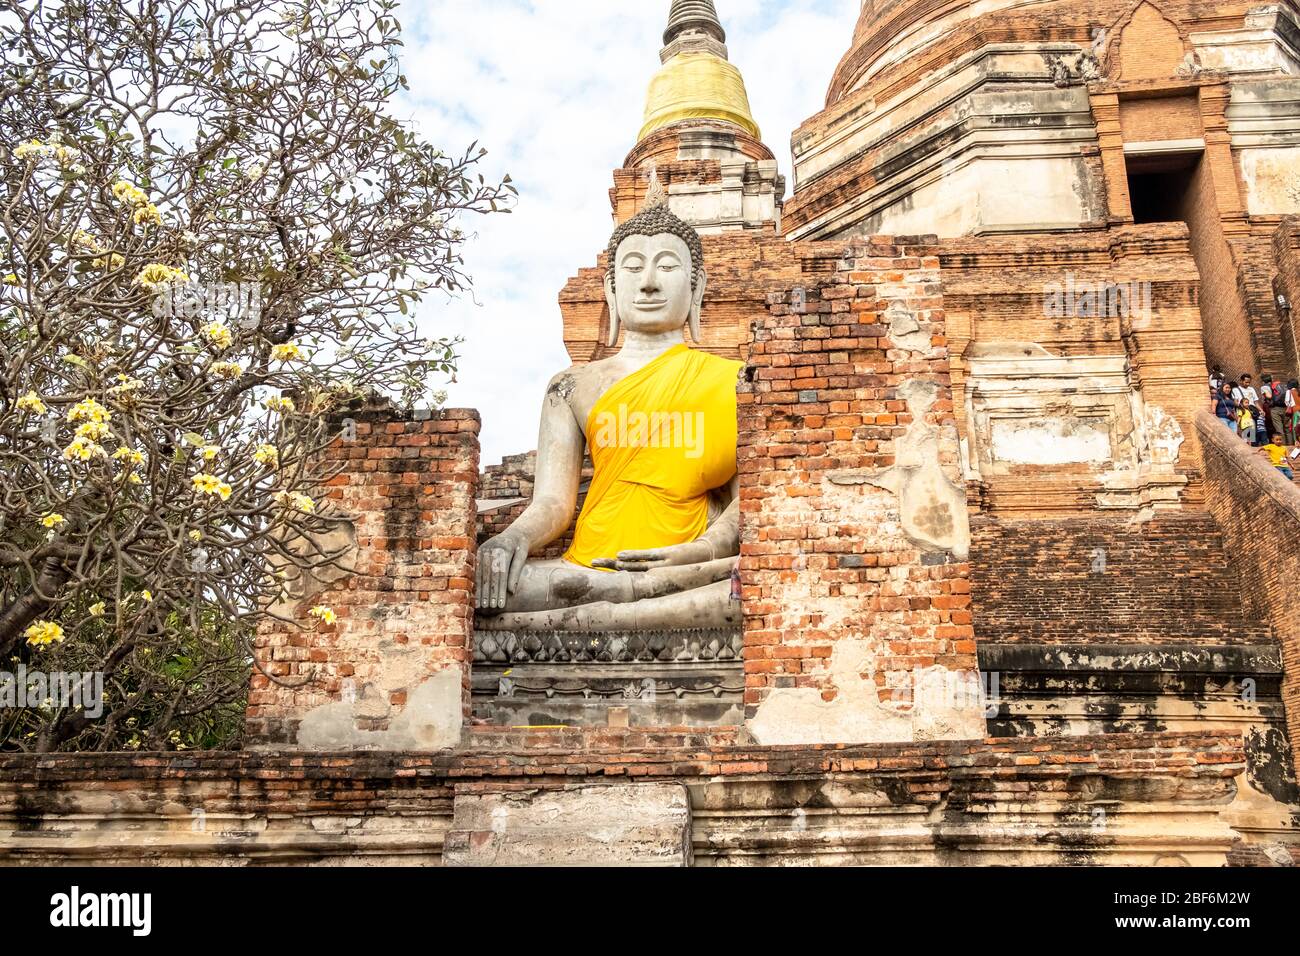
x: 1267, y: 417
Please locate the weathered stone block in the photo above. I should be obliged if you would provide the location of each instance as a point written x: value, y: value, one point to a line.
x: 628, y: 825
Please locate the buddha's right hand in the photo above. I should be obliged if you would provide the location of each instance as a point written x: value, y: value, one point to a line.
x: 673, y: 555
x: 500, y: 562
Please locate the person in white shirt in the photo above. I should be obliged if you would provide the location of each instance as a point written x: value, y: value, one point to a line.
x: 1243, y: 391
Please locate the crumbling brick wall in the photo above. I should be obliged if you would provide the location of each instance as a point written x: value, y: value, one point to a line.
x: 1082, y: 800
x: 406, y: 495
x: 845, y: 419
x: 1259, y: 513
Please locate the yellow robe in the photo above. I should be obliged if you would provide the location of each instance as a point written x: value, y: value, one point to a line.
x: 661, y: 439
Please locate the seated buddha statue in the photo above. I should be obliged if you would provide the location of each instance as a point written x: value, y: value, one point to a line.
x: 657, y: 538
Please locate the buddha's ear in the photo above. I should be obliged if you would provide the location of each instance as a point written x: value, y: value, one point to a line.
x: 612, y: 301
x: 697, y: 303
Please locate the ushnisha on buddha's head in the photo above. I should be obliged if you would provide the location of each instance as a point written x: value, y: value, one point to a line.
x: 655, y: 281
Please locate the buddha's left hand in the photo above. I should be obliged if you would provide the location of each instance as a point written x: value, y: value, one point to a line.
x: 692, y: 552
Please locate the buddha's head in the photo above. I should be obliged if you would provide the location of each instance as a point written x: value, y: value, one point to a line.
x: 655, y: 281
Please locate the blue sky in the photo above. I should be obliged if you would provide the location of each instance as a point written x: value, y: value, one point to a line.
x: 555, y: 90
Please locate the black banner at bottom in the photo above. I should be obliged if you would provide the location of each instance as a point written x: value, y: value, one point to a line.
x: 338, y: 906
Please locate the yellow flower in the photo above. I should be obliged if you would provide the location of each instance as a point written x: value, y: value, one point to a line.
x: 286, y: 353
x: 147, y: 595
x: 97, y: 609
x: 11, y: 278
x: 31, y: 402
x: 279, y: 404
x: 95, y: 431
x: 124, y: 191
x: 31, y: 151
x: 68, y: 156
x: 156, y: 275
x: 297, y: 501
x: 89, y: 410
x: 226, y: 370
x: 130, y: 456
x: 218, y: 333
x: 134, y: 479
x: 196, y: 535
x: 323, y: 613
x: 53, y: 520
x: 42, y: 633
x: 267, y: 455
x: 206, y: 484
x: 83, y: 240
x: 82, y: 449
x: 125, y: 383
x: 209, y: 452
x: 112, y: 261
x: 147, y: 214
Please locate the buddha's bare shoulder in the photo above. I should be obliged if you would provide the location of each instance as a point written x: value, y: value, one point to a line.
x: 580, y: 379
x: 577, y: 385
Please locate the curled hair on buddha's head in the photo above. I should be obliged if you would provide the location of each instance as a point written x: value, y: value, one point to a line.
x: 656, y: 219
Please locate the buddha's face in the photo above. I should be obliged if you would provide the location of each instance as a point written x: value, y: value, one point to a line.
x: 652, y: 283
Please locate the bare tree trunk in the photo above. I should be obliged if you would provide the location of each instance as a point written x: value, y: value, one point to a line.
x: 27, y: 608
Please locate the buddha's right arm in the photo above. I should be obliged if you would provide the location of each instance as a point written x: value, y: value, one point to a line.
x: 560, y: 444
x: 560, y: 447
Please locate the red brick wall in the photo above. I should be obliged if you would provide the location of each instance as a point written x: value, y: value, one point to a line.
x: 822, y: 562
x: 1168, y: 117
x: 1259, y: 513
x: 1105, y: 579
x: 408, y: 486
x: 1286, y: 257
x: 1228, y: 340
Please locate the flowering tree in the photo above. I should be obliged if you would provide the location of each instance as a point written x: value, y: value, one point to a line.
x: 212, y: 236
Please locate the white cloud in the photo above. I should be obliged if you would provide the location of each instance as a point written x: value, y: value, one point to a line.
x: 555, y: 90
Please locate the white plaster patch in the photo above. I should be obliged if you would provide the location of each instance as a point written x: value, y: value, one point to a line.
x: 431, y: 720
x: 1050, y: 441
x: 799, y: 715
x: 1164, y: 434
x: 904, y: 330
x: 1272, y: 178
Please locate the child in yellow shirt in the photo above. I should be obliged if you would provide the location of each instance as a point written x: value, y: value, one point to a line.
x: 1277, y: 455
x: 1246, y: 424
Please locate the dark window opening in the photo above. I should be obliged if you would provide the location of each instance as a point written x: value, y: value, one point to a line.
x: 1159, y: 186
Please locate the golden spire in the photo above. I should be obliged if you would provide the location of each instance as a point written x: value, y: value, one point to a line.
x: 697, y: 81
